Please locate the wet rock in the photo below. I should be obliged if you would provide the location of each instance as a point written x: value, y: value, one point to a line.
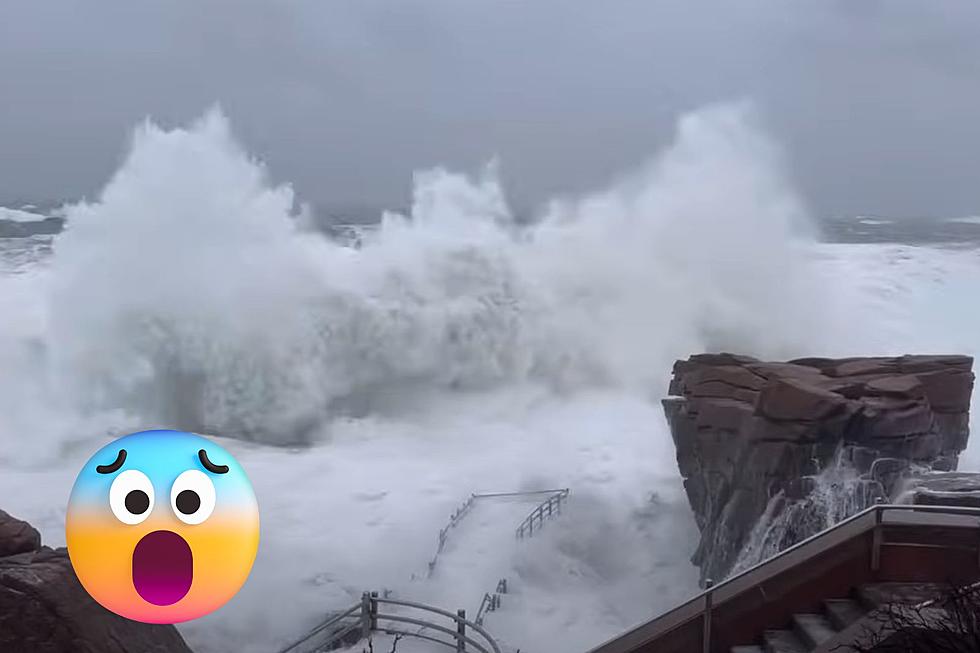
x: 941, y: 488
x: 44, y: 609
x: 18, y: 229
x: 755, y: 441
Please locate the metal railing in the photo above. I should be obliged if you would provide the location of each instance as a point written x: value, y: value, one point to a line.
x: 454, y: 519
x: 465, y: 508
x: 550, y: 507
x: 490, y: 602
x: 713, y: 597
x: 330, y: 633
x: 365, y: 617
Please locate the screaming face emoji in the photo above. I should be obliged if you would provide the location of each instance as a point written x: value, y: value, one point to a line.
x: 162, y: 526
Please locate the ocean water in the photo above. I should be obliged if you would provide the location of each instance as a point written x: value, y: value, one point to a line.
x: 369, y: 389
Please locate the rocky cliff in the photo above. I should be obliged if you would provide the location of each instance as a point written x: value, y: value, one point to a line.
x: 772, y: 452
x: 44, y: 609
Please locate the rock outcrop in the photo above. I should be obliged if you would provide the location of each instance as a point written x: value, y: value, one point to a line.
x: 44, y: 609
x: 773, y: 452
x: 43, y: 227
x: 940, y: 489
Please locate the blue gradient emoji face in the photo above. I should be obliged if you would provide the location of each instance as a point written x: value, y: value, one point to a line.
x: 162, y: 526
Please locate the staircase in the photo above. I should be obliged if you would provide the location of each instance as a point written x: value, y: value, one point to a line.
x: 808, y: 630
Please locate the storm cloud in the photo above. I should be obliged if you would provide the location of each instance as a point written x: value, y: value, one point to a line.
x: 875, y: 103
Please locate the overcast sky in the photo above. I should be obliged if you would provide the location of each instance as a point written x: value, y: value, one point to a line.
x: 877, y: 103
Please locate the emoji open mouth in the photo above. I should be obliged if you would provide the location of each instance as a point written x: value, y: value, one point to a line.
x: 163, y: 567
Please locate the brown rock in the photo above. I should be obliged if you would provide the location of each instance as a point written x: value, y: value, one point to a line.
x: 795, y: 400
x: 896, y: 386
x: 864, y: 366
x: 948, y: 390
x: 44, y: 609
x: 17, y: 536
x: 722, y: 414
x: 888, y: 417
x: 783, y: 370
x: 754, y: 437
x: 926, y: 363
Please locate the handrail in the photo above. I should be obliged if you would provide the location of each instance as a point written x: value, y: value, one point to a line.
x: 466, y: 506
x: 489, y: 603
x: 716, y: 595
x: 460, y: 618
x: 335, y: 618
x: 454, y: 519
x: 429, y: 625
x: 552, y: 504
x: 529, y: 493
x: 368, y: 616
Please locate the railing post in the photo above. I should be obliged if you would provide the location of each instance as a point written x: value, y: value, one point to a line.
x: 374, y: 611
x: 706, y: 617
x: 365, y: 615
x: 876, y: 538
x: 460, y: 631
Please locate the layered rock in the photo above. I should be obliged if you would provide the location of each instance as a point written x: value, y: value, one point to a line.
x: 44, y: 609
x: 940, y: 489
x: 773, y: 452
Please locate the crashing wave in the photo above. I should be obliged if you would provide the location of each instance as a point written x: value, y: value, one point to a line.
x: 189, y: 294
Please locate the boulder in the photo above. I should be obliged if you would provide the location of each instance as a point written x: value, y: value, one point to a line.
x: 771, y: 452
x: 44, y: 609
x: 17, y: 536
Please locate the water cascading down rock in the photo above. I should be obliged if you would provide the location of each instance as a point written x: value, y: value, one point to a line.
x: 772, y: 453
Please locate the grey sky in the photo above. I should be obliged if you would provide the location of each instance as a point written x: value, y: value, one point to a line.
x: 876, y: 102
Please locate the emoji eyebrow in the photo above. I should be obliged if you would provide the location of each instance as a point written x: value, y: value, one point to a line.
x: 210, y: 466
x: 114, y: 465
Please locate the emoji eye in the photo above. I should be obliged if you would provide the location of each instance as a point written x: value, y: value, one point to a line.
x: 192, y: 497
x: 131, y: 497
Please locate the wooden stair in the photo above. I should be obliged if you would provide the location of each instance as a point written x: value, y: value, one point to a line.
x: 808, y: 630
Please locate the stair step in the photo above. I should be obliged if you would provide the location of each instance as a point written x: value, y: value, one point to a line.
x: 783, y: 641
x: 750, y: 648
x: 873, y: 595
x: 813, y: 629
x: 843, y: 612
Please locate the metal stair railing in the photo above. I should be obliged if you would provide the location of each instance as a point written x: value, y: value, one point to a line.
x: 491, y: 602
x: 336, y: 628
x: 365, y: 617
x: 466, y: 636
x: 548, y: 508
x: 454, y: 519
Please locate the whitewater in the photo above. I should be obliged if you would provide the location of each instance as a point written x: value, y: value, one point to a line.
x: 369, y: 390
